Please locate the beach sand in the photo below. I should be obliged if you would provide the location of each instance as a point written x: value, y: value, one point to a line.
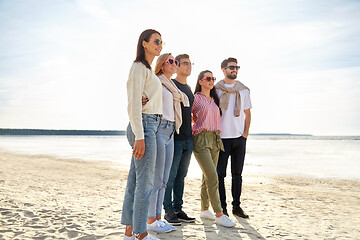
x: 42, y: 197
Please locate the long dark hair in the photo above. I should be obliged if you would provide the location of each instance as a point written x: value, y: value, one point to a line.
x: 140, y: 52
x: 213, y: 93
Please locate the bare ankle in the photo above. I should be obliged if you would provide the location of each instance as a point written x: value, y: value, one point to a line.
x: 128, y: 231
x: 219, y: 214
x: 151, y: 220
x: 141, y: 235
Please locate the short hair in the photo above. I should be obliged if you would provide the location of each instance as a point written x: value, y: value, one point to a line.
x: 226, y: 61
x: 181, y: 56
x: 160, y: 62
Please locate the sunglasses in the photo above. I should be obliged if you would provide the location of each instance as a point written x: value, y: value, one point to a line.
x: 159, y: 42
x: 233, y: 67
x: 187, y: 63
x: 172, y: 61
x: 209, y: 79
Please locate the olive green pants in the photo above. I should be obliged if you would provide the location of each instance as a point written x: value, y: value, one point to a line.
x: 207, y: 146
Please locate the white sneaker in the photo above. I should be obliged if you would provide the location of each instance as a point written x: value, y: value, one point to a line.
x: 224, y: 221
x: 159, y: 227
x: 148, y: 237
x: 207, y: 214
x: 129, y: 238
x: 166, y: 223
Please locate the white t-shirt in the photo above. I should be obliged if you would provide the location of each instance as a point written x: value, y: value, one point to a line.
x: 231, y: 126
x: 168, y: 105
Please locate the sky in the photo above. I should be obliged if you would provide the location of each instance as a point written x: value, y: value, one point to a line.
x: 64, y: 63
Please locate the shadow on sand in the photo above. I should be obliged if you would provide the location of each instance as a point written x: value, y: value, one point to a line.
x: 242, y: 230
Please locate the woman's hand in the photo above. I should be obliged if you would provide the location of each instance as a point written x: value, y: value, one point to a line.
x: 139, y: 148
x: 194, y: 118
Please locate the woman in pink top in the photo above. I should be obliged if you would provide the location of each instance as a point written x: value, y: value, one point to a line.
x: 207, y: 145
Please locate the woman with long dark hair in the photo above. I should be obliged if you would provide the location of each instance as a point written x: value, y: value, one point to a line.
x: 207, y: 145
x: 141, y: 133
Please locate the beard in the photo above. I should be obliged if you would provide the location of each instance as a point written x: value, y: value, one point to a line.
x: 232, y: 76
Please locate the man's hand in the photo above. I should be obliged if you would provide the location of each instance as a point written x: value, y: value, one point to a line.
x: 139, y: 148
x: 247, y: 114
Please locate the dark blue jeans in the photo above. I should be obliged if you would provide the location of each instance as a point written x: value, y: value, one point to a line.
x: 173, y: 199
x: 236, y: 148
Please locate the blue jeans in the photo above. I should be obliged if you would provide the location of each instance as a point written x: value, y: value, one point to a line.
x: 141, y: 177
x: 164, y: 158
x: 173, y: 200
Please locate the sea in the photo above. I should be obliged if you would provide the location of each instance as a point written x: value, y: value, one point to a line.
x: 331, y: 157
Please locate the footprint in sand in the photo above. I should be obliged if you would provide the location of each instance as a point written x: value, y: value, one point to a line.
x: 72, y: 233
x: 6, y: 213
x: 29, y: 214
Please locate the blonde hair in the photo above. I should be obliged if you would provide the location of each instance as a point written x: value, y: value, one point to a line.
x: 160, y: 62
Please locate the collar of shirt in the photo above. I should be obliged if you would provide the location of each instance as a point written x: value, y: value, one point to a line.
x: 204, y: 97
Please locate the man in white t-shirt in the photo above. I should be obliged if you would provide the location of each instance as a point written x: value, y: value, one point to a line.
x: 235, y: 105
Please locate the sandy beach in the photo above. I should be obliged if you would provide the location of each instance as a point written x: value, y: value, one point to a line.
x: 43, y: 197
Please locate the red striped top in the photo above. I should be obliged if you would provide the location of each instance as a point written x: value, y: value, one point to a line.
x: 206, y: 114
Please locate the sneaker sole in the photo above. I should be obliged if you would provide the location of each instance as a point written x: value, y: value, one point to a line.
x: 226, y: 226
x: 170, y: 230
x: 174, y: 224
x: 187, y: 221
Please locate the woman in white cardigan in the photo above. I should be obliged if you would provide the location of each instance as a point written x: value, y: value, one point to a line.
x: 141, y: 133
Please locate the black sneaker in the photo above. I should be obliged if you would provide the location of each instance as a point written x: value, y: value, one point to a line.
x: 184, y: 217
x: 172, y: 219
x: 239, y: 212
x: 225, y: 212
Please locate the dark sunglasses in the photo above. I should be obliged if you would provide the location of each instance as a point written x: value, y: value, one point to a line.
x: 209, y: 79
x: 233, y: 67
x: 172, y: 61
x: 158, y: 42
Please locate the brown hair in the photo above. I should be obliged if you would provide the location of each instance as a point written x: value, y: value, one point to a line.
x: 160, y: 62
x: 140, y: 51
x: 226, y: 61
x: 213, y: 93
x: 181, y: 56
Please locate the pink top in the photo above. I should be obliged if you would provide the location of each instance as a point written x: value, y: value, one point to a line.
x: 206, y: 113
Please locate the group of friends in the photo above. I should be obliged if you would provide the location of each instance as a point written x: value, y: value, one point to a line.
x: 167, y: 124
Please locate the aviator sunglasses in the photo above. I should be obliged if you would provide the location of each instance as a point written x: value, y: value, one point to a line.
x: 172, y: 61
x: 159, y: 42
x: 233, y: 67
x: 209, y: 79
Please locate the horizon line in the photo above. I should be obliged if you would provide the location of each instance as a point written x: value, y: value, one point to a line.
x: 8, y: 130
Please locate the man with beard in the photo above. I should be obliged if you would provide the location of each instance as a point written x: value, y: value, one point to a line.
x: 235, y: 105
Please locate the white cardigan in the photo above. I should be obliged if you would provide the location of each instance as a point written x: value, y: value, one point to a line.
x: 142, y: 82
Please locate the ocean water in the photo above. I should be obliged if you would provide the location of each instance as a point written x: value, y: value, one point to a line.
x: 311, y: 156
